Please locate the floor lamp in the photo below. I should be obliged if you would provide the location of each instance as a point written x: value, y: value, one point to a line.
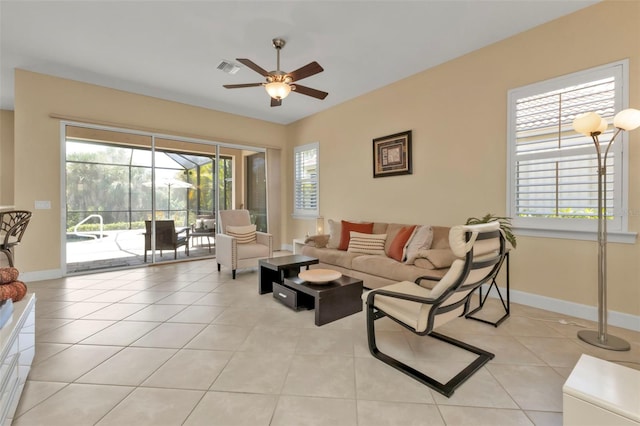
x: 591, y: 124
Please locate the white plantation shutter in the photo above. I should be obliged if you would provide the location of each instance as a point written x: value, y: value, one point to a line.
x: 553, y: 169
x: 305, y: 180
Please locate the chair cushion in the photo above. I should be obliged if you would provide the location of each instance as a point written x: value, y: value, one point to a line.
x: 243, y: 234
x: 250, y: 251
x: 367, y: 243
x: 404, y: 310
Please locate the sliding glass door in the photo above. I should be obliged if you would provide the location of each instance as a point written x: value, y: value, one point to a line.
x: 135, y: 198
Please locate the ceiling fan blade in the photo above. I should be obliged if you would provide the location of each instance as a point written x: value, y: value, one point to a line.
x: 257, y: 68
x: 306, y: 71
x: 276, y: 102
x: 310, y: 92
x: 240, y: 86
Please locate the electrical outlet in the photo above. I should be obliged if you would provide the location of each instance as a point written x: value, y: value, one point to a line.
x: 43, y: 205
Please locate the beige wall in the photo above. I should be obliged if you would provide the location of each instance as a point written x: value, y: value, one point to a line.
x: 457, y: 112
x: 6, y: 157
x: 38, y: 154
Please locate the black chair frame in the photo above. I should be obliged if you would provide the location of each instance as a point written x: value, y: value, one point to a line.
x: 439, y: 307
x: 12, y: 225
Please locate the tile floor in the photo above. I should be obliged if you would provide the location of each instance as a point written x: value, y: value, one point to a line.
x: 183, y: 344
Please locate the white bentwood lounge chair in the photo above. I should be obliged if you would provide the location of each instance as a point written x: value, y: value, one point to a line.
x: 481, y: 249
x: 238, y: 244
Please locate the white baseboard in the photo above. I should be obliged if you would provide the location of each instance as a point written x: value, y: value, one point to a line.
x: 50, y: 274
x: 287, y: 247
x: 617, y: 319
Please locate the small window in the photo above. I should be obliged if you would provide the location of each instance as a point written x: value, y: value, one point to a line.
x: 552, y: 182
x: 306, y: 181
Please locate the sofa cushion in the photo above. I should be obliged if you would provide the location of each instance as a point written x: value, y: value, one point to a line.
x: 379, y: 228
x: 397, y: 248
x: 392, y: 231
x: 439, y: 258
x: 420, y: 240
x: 440, y: 237
x: 243, y: 234
x: 387, y: 268
x: 335, y: 232
x: 367, y: 243
x: 423, y: 263
x: 347, y: 227
x: 332, y: 256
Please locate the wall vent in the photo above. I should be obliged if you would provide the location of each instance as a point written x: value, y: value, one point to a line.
x: 228, y: 67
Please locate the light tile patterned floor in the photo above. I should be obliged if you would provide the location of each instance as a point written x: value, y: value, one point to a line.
x: 183, y: 344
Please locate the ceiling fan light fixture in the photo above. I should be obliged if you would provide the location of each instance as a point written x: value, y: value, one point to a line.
x: 278, y: 90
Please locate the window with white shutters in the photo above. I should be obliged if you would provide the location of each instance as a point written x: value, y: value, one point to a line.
x: 553, y: 169
x: 305, y: 180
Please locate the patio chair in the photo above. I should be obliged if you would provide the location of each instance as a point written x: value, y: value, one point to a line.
x: 12, y: 226
x: 166, y: 237
x: 420, y: 310
x: 238, y: 244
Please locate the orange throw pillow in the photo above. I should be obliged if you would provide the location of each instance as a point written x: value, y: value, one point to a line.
x: 347, y: 227
x: 396, y: 249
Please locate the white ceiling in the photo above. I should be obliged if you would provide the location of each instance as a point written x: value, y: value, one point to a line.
x: 170, y: 49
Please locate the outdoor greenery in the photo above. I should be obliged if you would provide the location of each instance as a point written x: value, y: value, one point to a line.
x: 106, y: 181
x: 505, y: 225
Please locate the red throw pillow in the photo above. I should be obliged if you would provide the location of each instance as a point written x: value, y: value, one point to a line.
x: 347, y: 227
x: 396, y: 249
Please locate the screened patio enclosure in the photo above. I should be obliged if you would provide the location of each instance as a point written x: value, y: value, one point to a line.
x: 119, y: 184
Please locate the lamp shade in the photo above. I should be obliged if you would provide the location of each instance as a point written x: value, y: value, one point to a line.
x: 603, y: 126
x: 587, y: 123
x: 278, y: 90
x: 627, y: 119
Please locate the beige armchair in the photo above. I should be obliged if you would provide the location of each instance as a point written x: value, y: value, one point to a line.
x: 238, y: 244
x: 480, y: 249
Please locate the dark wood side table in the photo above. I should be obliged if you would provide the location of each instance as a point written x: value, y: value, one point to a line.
x: 506, y: 305
x: 276, y: 269
x: 338, y: 299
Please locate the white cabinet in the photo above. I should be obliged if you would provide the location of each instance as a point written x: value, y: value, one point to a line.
x: 17, y: 348
x: 599, y: 393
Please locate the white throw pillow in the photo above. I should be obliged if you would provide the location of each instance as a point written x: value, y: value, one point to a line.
x: 366, y: 243
x: 335, y: 230
x: 420, y: 240
x: 244, y: 234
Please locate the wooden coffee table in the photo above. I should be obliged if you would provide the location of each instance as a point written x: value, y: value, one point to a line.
x: 332, y: 301
x: 276, y: 269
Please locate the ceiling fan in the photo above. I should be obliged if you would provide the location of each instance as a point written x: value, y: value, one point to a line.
x: 278, y: 83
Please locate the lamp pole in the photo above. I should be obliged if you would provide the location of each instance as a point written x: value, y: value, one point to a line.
x: 600, y: 337
x: 591, y: 124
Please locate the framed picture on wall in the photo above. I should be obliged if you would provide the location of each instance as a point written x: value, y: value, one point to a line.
x: 392, y: 155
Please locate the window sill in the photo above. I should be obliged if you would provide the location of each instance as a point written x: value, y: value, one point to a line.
x: 612, y: 236
x: 309, y: 216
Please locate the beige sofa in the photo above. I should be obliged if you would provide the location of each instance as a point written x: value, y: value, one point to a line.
x: 381, y: 270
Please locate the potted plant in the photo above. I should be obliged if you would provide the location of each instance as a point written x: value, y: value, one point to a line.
x: 505, y: 225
